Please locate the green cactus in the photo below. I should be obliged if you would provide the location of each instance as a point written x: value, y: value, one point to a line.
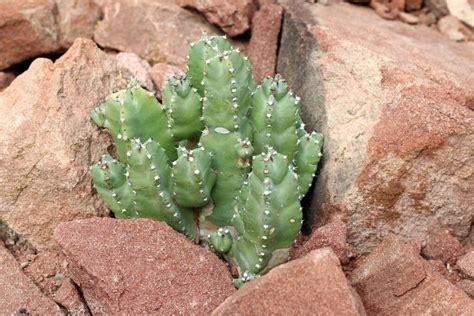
x: 220, y: 151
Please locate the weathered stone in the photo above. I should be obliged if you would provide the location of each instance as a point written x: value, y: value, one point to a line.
x: 463, y: 10
x: 18, y: 294
x: 467, y: 286
x: 27, y: 29
x: 142, y: 267
x: 157, y: 30
x: 395, y: 280
x: 397, y: 122
x: 70, y: 299
x: 313, y: 284
x: 408, y: 18
x: 76, y: 18
x: 263, y: 46
x: 413, y: 5
x: 441, y: 245
x: 455, y: 29
x: 438, y: 7
x: 333, y: 235
x: 48, y: 141
x: 233, y: 17
x: 465, y: 264
x: 6, y: 77
x: 139, y: 68
x: 160, y: 73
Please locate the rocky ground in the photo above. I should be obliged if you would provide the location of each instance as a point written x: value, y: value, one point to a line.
x: 389, y: 222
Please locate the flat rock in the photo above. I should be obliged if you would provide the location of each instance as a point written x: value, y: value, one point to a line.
x: 233, y: 17
x: 27, y: 29
x: 333, y: 235
x: 263, y: 46
x: 142, y: 267
x: 159, y: 31
x: 48, y: 142
x: 465, y: 264
x: 397, y: 122
x: 311, y: 285
x: 395, y: 280
x: 18, y: 294
x: 76, y: 19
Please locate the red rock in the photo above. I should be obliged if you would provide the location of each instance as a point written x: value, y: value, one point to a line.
x: 157, y: 30
x: 233, y: 17
x: 6, y: 77
x: 160, y: 73
x: 455, y: 29
x: 331, y: 235
x: 18, y: 294
x: 467, y: 286
x: 142, y: 267
x: 76, y: 19
x: 445, y: 270
x: 262, y: 50
x: 441, y: 245
x: 70, y: 299
x: 399, y: 119
x: 311, y: 285
x: 465, y: 264
x: 139, y: 68
x: 44, y: 119
x: 395, y: 280
x: 27, y: 29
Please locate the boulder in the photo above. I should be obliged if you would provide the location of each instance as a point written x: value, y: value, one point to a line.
x: 159, y: 31
x: 76, y: 18
x: 27, y: 29
x: 465, y: 264
x: 462, y: 9
x: 454, y: 29
x: 142, y: 266
x: 160, y: 73
x: 441, y: 245
x: 333, y: 235
x: 233, y: 17
x: 311, y: 285
x: 467, y: 286
x: 263, y: 46
x: 397, y: 122
x: 18, y: 294
x: 139, y: 68
x: 69, y: 298
x: 48, y: 142
x: 395, y: 280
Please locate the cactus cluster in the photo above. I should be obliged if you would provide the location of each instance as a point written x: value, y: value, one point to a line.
x: 222, y: 160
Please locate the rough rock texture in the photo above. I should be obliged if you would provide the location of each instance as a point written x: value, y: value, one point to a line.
x: 441, y: 245
x: 48, y: 142
x: 467, y: 286
x: 69, y: 298
x: 142, y: 266
x: 455, y: 29
x: 76, y: 18
x: 233, y: 17
x: 156, y: 30
x: 18, y: 295
x: 333, y: 235
x: 263, y: 46
x: 139, y: 68
x: 27, y: 29
x: 395, y: 280
x: 160, y: 73
x: 463, y: 10
x: 465, y: 264
x: 438, y: 7
x: 6, y: 77
x: 312, y: 285
x: 397, y: 122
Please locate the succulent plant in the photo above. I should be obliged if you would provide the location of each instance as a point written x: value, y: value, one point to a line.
x: 220, y: 151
